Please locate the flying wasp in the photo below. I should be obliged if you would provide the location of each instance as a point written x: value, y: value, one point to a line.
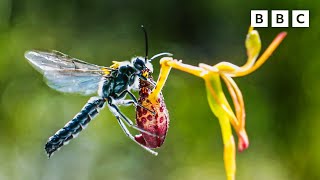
x: 112, y: 84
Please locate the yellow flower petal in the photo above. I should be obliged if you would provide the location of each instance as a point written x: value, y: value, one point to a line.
x: 267, y: 53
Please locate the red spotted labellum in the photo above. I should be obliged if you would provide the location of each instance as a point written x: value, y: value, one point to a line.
x: 156, y: 123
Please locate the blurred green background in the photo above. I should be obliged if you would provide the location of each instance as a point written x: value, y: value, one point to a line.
x: 282, y: 98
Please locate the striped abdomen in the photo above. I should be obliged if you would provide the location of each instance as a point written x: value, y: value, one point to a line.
x: 73, y: 127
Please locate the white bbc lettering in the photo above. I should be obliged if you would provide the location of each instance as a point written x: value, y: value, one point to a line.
x: 259, y: 18
x: 279, y: 18
x: 300, y: 18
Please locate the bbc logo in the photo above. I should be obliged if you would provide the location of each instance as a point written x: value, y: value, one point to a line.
x: 280, y: 18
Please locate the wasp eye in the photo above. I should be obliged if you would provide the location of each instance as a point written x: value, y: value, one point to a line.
x: 139, y: 64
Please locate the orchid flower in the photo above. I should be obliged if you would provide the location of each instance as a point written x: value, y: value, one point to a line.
x: 221, y: 108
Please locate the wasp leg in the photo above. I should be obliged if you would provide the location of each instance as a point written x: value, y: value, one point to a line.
x: 127, y: 103
x: 127, y: 132
x: 137, y: 103
x: 134, y: 101
x: 146, y: 79
x: 116, y: 111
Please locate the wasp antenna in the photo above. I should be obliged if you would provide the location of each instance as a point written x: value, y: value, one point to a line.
x: 146, y: 42
x: 160, y: 54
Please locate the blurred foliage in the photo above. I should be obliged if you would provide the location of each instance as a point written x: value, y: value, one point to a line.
x: 282, y: 98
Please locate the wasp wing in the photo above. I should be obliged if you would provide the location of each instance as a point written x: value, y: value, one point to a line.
x: 66, y: 74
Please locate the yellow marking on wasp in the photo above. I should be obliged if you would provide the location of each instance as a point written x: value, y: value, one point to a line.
x: 115, y: 64
x: 106, y: 71
x: 145, y: 74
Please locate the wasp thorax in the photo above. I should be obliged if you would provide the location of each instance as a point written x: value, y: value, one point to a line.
x: 126, y: 69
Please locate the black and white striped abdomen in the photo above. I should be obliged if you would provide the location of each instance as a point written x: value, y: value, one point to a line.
x: 73, y: 127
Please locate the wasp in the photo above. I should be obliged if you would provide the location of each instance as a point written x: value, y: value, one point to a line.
x: 112, y: 84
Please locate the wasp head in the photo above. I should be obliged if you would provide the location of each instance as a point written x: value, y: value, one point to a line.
x: 139, y: 64
x: 142, y: 66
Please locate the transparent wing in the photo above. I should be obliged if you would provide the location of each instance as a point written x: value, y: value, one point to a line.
x: 66, y: 74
